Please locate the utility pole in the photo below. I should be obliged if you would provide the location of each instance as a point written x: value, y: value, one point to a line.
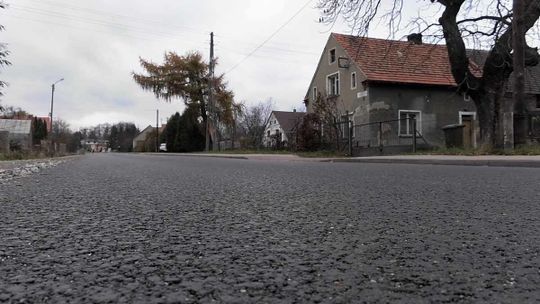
x: 518, y: 99
x: 157, y: 130
x: 53, y: 86
x: 52, y: 105
x: 210, y: 106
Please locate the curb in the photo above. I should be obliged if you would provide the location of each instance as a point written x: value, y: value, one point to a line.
x: 195, y: 155
x: 403, y: 161
x: 447, y: 162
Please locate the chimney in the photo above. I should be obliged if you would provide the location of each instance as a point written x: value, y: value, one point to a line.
x: 415, y: 38
x: 294, y: 110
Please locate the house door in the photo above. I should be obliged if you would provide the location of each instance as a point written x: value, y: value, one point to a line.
x: 468, y: 131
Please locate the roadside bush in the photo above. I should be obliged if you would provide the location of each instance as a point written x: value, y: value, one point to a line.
x: 15, y: 146
x: 309, y: 133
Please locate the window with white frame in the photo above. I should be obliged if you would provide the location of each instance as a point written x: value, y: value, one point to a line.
x: 333, y: 84
x: 353, y: 80
x: 315, y: 94
x: 332, y: 56
x: 406, y: 122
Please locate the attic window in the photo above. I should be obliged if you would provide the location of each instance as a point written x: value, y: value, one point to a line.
x: 353, y: 80
x: 315, y: 94
x: 332, y: 56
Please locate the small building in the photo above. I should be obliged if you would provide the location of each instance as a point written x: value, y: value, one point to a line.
x: 20, y: 133
x: 141, y: 141
x: 281, y: 129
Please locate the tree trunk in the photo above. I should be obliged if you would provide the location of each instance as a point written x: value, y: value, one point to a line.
x: 490, y: 105
x: 487, y: 91
x: 519, y: 125
x: 486, y: 113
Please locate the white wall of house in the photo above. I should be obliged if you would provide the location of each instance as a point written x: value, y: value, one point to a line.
x: 271, y: 129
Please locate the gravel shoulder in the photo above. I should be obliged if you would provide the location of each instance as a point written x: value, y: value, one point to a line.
x: 21, y: 168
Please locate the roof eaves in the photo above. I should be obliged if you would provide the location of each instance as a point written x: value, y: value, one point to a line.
x: 416, y: 83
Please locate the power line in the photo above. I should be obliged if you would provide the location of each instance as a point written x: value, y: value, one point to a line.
x: 125, y: 27
x: 69, y: 6
x: 270, y: 37
x: 282, y: 58
x: 72, y: 27
x: 270, y: 48
x: 75, y: 27
x: 82, y: 19
x: 120, y: 28
x: 233, y: 40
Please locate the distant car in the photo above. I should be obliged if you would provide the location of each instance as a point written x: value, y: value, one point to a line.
x: 163, y: 147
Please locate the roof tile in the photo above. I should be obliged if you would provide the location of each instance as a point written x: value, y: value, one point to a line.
x: 399, y: 61
x: 288, y: 120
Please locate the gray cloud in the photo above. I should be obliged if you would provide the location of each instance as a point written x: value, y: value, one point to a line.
x: 95, y: 46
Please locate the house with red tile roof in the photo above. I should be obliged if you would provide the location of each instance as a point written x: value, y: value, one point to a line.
x: 281, y: 129
x: 378, y: 80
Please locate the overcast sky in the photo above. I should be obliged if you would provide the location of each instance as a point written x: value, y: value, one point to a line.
x: 96, y: 45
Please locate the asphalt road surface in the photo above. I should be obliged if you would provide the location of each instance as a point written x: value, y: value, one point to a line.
x: 117, y: 228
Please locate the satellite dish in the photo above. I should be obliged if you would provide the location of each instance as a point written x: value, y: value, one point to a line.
x: 344, y: 62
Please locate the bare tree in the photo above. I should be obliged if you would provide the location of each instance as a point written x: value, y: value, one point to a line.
x: 60, y: 128
x: 11, y: 112
x: 3, y: 54
x: 330, y: 119
x: 479, y: 24
x: 253, y: 122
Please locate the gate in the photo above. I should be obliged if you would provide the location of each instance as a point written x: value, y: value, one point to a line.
x: 385, y: 137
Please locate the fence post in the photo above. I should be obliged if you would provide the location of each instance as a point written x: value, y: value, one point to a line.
x: 380, y: 138
x: 414, y: 134
x: 336, y: 133
x: 350, y: 130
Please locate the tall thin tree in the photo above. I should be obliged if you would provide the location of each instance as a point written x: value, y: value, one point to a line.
x: 186, y: 78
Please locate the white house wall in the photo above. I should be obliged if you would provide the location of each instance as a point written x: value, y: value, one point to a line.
x: 272, y: 126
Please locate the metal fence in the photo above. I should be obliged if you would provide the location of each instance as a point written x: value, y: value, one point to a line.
x: 534, y: 127
x: 527, y: 128
x: 381, y: 137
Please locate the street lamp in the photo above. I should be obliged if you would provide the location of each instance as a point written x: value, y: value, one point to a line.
x: 52, y: 102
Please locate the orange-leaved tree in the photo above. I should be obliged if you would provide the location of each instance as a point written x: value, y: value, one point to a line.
x: 187, y: 78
